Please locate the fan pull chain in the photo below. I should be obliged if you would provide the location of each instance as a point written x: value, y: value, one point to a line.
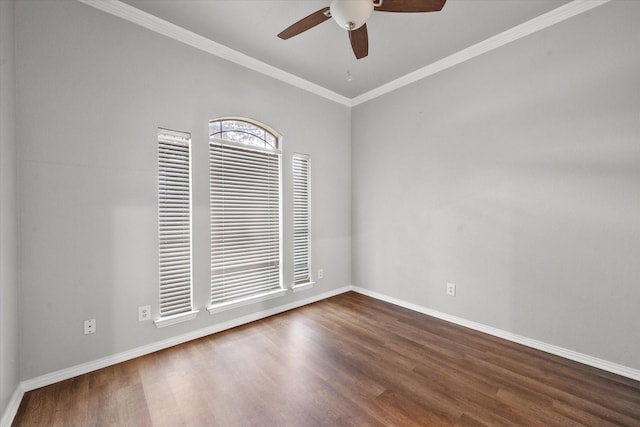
x: 349, y: 75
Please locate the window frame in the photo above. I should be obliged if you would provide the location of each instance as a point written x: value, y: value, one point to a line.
x: 298, y: 178
x: 219, y: 305
x: 171, y: 259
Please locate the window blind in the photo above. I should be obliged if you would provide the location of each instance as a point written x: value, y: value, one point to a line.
x: 174, y: 195
x: 245, y: 221
x: 301, y: 219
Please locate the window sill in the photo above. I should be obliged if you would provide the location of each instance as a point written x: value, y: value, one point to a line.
x: 176, y: 318
x: 228, y: 305
x: 302, y: 286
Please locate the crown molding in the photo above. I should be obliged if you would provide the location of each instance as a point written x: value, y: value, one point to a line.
x: 541, y: 22
x: 153, y: 23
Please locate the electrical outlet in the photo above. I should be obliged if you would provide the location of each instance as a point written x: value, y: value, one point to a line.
x: 451, y: 289
x: 90, y: 326
x: 320, y: 274
x: 144, y: 313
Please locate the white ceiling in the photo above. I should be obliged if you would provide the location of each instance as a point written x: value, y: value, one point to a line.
x: 398, y: 43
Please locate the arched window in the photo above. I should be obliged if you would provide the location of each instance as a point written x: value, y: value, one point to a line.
x: 244, y: 131
x: 245, y: 212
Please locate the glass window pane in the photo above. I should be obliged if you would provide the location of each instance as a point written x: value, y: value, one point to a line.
x: 243, y: 132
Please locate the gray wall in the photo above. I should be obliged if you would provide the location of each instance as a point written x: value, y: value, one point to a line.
x: 91, y: 91
x: 516, y: 176
x: 8, y: 213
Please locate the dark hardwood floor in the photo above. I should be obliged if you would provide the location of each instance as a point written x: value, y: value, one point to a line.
x: 347, y: 360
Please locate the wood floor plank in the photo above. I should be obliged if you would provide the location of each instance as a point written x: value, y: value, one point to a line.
x: 346, y: 361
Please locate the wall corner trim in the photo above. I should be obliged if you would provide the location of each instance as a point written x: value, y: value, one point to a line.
x: 585, y: 359
x: 12, y: 407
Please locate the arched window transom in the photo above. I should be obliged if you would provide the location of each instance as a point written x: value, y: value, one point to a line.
x: 243, y: 131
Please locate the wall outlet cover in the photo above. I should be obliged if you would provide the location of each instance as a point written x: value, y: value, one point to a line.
x: 451, y: 289
x: 90, y: 326
x: 144, y: 313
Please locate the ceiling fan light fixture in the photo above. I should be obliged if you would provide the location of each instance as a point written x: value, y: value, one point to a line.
x: 351, y: 14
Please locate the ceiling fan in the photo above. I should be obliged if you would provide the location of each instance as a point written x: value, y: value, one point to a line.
x: 353, y: 14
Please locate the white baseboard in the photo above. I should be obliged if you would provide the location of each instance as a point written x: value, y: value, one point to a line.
x: 12, y: 407
x: 74, y: 371
x: 529, y: 342
x: 103, y: 362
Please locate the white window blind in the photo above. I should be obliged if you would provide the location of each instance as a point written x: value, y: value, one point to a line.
x: 301, y: 219
x: 245, y: 222
x: 174, y: 213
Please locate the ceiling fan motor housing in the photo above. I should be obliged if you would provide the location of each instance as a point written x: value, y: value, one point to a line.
x: 351, y: 14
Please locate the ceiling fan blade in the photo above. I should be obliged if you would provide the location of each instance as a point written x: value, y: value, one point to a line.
x: 360, y: 41
x: 409, y: 6
x: 305, y: 24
